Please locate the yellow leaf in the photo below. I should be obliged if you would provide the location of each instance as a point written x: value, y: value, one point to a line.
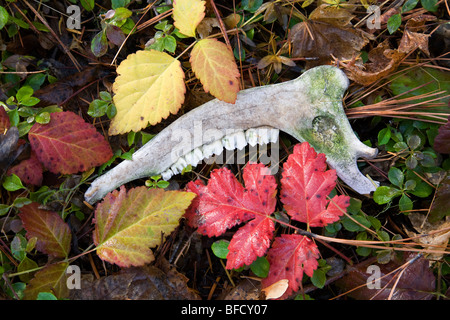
x: 187, y: 14
x: 149, y: 86
x: 214, y: 65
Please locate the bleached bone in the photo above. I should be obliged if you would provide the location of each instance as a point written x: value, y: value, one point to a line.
x: 308, y: 108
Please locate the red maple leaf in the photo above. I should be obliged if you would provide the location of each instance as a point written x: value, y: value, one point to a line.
x: 290, y: 256
x: 68, y: 144
x: 305, y: 186
x: 224, y: 203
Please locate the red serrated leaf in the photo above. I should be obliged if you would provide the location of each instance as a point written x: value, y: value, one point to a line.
x: 224, y: 203
x: 290, y: 257
x: 29, y: 171
x: 52, y: 233
x: 305, y: 186
x: 250, y: 242
x: 4, y: 120
x: 68, y: 144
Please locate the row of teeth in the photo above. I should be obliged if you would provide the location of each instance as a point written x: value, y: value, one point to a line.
x: 253, y: 136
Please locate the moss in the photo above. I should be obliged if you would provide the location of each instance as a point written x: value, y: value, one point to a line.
x: 326, y: 137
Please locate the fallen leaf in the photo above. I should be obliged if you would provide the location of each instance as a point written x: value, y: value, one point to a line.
x: 442, y: 140
x: 51, y: 278
x: 149, y: 87
x: 136, y: 283
x: 315, y: 39
x: 128, y: 224
x: 214, y: 65
x: 427, y: 230
x: 411, y: 39
x: 29, y: 171
x: 224, y: 203
x: 336, y: 16
x: 290, y: 256
x: 4, y: 120
x: 187, y: 14
x: 276, y: 290
x: 53, y: 234
x: 439, y: 207
x: 68, y: 144
x: 382, y: 62
x: 416, y: 283
x: 305, y: 186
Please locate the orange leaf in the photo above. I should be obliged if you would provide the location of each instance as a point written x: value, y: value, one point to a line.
x: 214, y: 65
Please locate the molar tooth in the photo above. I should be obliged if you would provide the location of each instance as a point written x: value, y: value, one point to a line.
x: 273, y: 134
x: 240, y: 141
x: 263, y: 135
x: 166, y: 175
x: 179, y: 165
x: 197, y: 155
x: 251, y: 135
x: 215, y: 147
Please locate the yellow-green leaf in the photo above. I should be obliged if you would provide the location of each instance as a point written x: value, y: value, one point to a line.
x: 150, y: 87
x: 187, y: 14
x: 128, y: 224
x: 52, y: 278
x: 214, y: 65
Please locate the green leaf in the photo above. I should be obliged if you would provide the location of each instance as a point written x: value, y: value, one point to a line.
x: 119, y: 3
x: 170, y: 44
x: 13, y: 183
x: 43, y: 118
x: 97, y: 108
x: 220, y: 248
x: 24, y: 93
x: 88, y: 4
x: 99, y: 44
x: 409, y: 5
x: 384, y: 136
x: 396, y: 177
x: 413, y: 141
x: 260, y: 267
x: 353, y: 226
x: 319, y: 278
x: 105, y: 95
x: 18, y: 247
x: 430, y: 5
x: 4, y: 208
x: 385, y: 194
x: 3, y: 17
x: 394, y: 23
x: 19, y: 202
x: 422, y: 190
x: 46, y: 296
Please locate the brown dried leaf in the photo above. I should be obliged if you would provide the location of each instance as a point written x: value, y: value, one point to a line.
x: 383, y: 61
x: 315, y: 39
x: 136, y: 283
x: 336, y: 16
x: 416, y: 283
x: 435, y: 240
